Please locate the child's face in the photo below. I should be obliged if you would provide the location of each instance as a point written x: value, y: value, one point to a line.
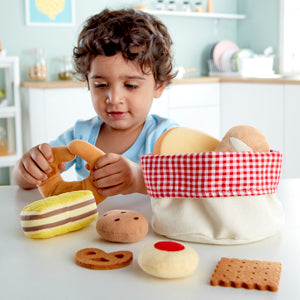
x: 122, y: 94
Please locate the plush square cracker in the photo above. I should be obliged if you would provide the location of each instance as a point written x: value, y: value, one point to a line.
x: 249, y: 274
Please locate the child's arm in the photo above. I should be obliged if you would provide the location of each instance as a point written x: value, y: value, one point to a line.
x: 115, y: 174
x: 33, y: 166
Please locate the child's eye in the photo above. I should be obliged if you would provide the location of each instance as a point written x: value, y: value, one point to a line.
x: 100, y: 85
x: 131, y: 86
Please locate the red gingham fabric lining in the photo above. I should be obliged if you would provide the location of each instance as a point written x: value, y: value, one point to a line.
x: 212, y: 174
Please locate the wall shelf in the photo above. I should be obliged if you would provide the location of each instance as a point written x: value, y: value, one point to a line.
x: 195, y: 14
x: 10, y: 113
x: 8, y: 160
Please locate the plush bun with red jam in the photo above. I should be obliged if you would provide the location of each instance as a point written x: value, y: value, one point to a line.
x: 168, y: 259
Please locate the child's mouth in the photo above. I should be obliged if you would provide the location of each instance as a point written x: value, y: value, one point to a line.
x: 117, y: 115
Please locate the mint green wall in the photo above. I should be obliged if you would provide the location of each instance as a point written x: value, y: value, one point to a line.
x: 193, y: 37
x: 261, y: 27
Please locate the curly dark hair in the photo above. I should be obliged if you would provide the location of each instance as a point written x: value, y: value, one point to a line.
x: 139, y: 36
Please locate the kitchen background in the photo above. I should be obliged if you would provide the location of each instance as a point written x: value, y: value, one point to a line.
x: 193, y: 37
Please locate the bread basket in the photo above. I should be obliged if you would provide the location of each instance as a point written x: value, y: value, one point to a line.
x: 215, y: 197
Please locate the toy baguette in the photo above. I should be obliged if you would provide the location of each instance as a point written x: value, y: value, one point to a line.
x: 57, y: 215
x: 55, y: 185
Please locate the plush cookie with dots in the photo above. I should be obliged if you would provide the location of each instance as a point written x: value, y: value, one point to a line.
x: 122, y: 226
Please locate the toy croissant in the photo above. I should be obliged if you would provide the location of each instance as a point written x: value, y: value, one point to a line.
x: 55, y: 185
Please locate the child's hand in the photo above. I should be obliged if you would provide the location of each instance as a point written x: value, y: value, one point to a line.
x: 32, y: 168
x: 115, y: 174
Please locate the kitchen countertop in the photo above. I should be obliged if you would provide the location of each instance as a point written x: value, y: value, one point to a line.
x: 45, y: 269
x: 188, y: 80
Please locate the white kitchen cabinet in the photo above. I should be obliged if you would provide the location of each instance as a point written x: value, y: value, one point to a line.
x: 196, y: 106
x: 49, y: 112
x: 260, y: 105
x: 212, y: 107
x: 292, y: 130
x: 10, y: 112
x: 160, y: 106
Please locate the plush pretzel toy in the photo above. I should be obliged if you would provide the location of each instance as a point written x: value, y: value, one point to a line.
x: 55, y: 185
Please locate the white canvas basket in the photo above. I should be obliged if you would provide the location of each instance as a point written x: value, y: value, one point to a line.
x: 215, y: 197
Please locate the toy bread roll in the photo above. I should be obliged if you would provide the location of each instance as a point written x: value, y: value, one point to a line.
x: 181, y: 140
x: 246, y: 134
x: 60, y: 214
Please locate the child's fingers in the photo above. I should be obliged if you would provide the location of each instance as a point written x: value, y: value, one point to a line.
x: 107, y: 159
x: 46, y: 151
x: 39, y: 160
x: 109, y: 181
x: 111, y: 191
x: 32, y: 174
x: 62, y: 166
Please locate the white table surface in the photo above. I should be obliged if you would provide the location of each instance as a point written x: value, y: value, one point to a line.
x: 45, y: 269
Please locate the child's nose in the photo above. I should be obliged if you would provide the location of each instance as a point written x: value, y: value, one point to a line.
x: 114, y: 96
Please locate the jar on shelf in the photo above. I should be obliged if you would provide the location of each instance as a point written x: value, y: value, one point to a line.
x: 65, y: 68
x: 3, y: 142
x: 142, y: 5
x: 160, y: 5
x: 198, y: 7
x: 172, y: 5
x: 209, y: 6
x: 186, y: 7
x: 38, y: 68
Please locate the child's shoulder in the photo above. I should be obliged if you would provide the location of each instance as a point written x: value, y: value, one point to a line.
x: 83, y: 129
x: 88, y: 123
x: 157, y: 124
x: 156, y: 120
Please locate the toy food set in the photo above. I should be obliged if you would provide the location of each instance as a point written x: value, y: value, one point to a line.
x: 97, y: 259
x: 168, y: 259
x: 122, y: 226
x: 226, y: 196
x: 60, y: 214
x: 249, y: 274
x: 55, y: 185
x: 218, y: 192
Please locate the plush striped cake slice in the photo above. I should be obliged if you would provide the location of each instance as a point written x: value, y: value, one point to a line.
x: 60, y: 214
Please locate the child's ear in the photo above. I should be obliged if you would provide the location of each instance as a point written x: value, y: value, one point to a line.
x: 159, y: 88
